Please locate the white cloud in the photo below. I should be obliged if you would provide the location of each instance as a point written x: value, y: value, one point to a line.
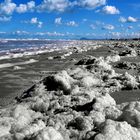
x: 5, y: 18
x: 31, y: 5
x: 18, y: 32
x: 91, y: 4
x: 93, y: 26
x: 35, y: 20
x: 22, y: 8
x: 40, y: 24
x: 7, y: 7
x: 130, y: 27
x: 54, y: 5
x: 108, y: 27
x: 124, y: 35
x: 58, y: 20
x: 110, y: 10
x: 71, y: 23
x: 129, y: 19
x: 122, y: 19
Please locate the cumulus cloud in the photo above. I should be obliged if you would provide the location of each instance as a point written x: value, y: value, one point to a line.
x: 119, y: 35
x: 71, y: 23
x: 31, y: 5
x: 22, y: 8
x: 7, y: 7
x: 91, y: 4
x: 54, y: 5
x: 108, y: 27
x: 5, y: 18
x: 122, y: 19
x: 110, y: 10
x: 35, y: 20
x: 129, y: 19
x: 40, y: 24
x: 58, y: 20
x: 63, y: 5
x: 50, y: 33
x: 20, y: 32
x: 130, y: 27
x: 93, y: 26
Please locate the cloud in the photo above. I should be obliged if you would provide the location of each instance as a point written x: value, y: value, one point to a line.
x: 63, y: 5
x: 22, y: 8
x: 124, y: 35
x: 130, y: 27
x: 91, y: 4
x: 7, y: 7
x: 50, y: 33
x: 93, y: 26
x: 110, y: 10
x: 129, y: 19
x: 54, y: 5
x: 35, y: 20
x: 18, y: 32
x: 5, y: 18
x: 40, y: 24
x: 108, y: 27
x: 58, y: 20
x: 31, y: 5
x: 122, y: 19
x: 71, y: 23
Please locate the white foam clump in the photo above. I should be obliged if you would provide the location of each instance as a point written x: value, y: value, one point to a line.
x: 133, y: 53
x: 49, y: 133
x: 69, y: 104
x: 113, y: 130
x: 17, y: 68
x: 103, y: 63
x: 64, y: 78
x: 130, y: 82
x: 89, y: 81
x: 113, y: 58
x: 104, y: 101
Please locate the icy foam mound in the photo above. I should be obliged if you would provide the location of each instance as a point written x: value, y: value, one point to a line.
x: 74, y: 104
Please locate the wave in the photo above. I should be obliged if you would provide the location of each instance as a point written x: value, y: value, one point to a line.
x: 6, y: 65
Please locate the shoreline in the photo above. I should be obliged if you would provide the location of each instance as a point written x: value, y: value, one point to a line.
x: 75, y: 101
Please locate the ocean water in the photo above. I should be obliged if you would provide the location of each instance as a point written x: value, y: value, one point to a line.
x: 19, y: 48
x: 25, y: 44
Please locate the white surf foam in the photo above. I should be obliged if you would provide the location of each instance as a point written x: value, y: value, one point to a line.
x: 6, y: 65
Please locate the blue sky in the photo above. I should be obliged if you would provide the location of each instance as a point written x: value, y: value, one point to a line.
x: 71, y: 19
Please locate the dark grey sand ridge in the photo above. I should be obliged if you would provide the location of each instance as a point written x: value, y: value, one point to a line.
x: 76, y: 102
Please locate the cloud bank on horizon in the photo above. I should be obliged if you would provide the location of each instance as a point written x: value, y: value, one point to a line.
x: 69, y: 19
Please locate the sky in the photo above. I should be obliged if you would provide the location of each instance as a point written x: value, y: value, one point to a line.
x: 69, y: 19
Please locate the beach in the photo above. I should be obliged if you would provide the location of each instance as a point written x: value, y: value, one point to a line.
x: 83, y: 91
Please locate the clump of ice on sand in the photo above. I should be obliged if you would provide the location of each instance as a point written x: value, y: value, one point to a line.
x: 74, y: 104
